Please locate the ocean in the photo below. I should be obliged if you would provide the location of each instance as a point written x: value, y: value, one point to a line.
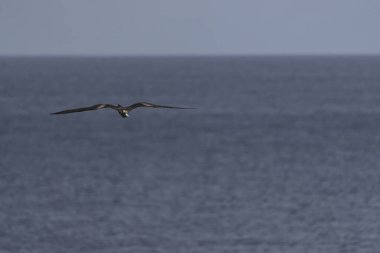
x: 282, y: 154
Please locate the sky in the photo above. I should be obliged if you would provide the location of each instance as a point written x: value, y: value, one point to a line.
x: 184, y: 27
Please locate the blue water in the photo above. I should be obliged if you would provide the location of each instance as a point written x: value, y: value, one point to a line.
x: 282, y: 155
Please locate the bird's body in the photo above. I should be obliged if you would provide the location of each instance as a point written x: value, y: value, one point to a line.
x: 122, y: 110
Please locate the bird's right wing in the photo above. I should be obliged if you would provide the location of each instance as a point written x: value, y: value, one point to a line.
x: 90, y: 108
x: 146, y: 104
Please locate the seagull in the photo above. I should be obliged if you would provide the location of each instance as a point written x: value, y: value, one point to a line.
x: 122, y: 110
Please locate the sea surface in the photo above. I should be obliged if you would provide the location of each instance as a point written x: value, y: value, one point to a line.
x: 281, y: 155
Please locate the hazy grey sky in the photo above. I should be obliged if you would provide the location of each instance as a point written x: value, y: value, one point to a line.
x: 189, y: 26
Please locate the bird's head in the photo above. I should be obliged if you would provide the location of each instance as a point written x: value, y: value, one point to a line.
x: 125, y: 112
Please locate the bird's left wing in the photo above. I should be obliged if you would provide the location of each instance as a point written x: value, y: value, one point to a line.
x: 90, y: 108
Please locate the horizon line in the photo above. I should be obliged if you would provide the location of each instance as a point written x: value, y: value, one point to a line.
x: 175, y: 55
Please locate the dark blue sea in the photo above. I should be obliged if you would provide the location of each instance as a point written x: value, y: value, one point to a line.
x: 281, y: 155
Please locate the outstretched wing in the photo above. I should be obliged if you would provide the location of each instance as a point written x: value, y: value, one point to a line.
x: 146, y: 104
x: 90, y: 108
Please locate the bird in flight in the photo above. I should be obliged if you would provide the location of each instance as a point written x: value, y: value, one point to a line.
x: 122, y: 110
